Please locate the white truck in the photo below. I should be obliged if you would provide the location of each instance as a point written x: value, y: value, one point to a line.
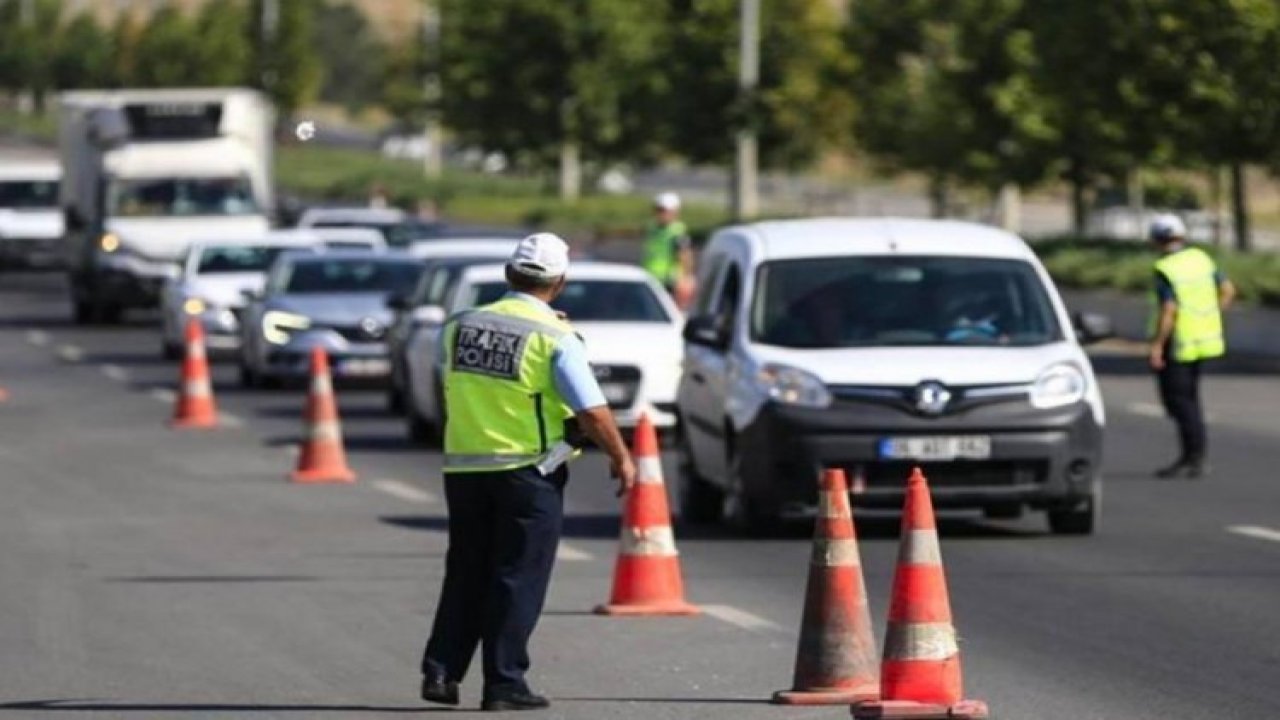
x: 30, y: 221
x: 145, y: 172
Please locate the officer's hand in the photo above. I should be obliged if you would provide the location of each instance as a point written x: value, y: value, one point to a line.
x: 1156, y: 358
x: 625, y: 471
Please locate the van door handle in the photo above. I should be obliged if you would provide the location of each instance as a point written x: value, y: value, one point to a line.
x: 697, y: 377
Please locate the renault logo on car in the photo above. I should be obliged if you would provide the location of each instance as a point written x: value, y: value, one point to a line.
x: 371, y: 327
x: 931, y: 397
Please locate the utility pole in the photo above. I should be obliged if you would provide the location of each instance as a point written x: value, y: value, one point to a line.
x: 746, y: 199
x: 432, y: 90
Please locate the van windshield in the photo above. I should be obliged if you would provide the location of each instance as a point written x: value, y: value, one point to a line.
x: 152, y: 197
x: 28, y: 194
x: 901, y: 301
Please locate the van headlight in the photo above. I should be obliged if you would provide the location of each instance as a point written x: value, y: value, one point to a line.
x: 793, y: 386
x: 194, y: 306
x: 277, y: 324
x: 1057, y: 386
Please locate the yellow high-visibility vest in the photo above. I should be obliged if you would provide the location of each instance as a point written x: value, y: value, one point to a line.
x: 503, y: 408
x: 1197, y: 333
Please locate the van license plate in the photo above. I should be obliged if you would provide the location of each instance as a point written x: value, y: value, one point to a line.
x: 941, y: 447
x: 362, y: 367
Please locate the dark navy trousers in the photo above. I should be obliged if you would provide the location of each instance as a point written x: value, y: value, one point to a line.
x: 503, y: 531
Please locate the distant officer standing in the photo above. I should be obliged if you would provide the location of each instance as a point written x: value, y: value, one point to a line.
x: 514, y: 373
x: 668, y: 254
x: 1186, y: 330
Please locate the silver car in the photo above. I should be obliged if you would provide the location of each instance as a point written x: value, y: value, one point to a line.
x: 335, y: 300
x: 211, y: 283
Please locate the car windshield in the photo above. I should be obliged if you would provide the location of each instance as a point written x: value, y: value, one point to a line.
x: 28, y: 194
x: 349, y: 276
x: 181, y: 197
x: 593, y: 300
x: 236, y: 259
x: 894, y: 301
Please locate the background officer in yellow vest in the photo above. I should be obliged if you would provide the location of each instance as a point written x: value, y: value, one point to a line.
x: 668, y: 253
x: 514, y: 374
x: 1190, y: 294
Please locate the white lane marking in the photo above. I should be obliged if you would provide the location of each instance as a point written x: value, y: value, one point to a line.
x: 164, y: 395
x: 70, y: 353
x: 1254, y: 531
x: 740, y: 617
x: 1146, y: 409
x: 39, y: 338
x: 404, y: 491
x: 115, y: 372
x: 569, y: 553
x: 226, y: 419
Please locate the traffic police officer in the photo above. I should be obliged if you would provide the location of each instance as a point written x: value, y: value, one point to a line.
x: 668, y: 255
x: 514, y: 373
x: 1186, y: 330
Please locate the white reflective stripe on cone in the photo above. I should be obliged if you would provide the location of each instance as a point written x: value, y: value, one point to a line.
x: 920, y: 641
x: 833, y: 505
x: 649, y: 470
x: 195, y: 350
x: 197, y: 388
x: 920, y: 547
x: 326, y: 430
x: 842, y: 552
x: 657, y: 541
x: 321, y: 385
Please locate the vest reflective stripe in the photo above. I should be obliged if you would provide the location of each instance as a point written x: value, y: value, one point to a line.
x: 660, y: 250
x: 1197, y: 332
x: 502, y: 408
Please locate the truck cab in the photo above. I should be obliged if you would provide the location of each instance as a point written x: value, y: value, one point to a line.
x: 146, y: 171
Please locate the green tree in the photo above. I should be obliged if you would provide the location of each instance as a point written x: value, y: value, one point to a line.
x: 352, y: 54
x: 801, y: 106
x: 126, y: 35
x: 83, y: 56
x: 224, y: 52
x: 285, y: 64
x: 167, y: 52
x: 26, y: 59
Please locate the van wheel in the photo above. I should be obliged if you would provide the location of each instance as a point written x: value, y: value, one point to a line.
x: 395, y: 400
x: 742, y: 513
x: 700, y: 501
x: 420, y: 430
x: 1078, y: 519
x: 170, y: 351
x: 248, y: 378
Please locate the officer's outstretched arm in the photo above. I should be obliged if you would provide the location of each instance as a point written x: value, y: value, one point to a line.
x: 598, y: 424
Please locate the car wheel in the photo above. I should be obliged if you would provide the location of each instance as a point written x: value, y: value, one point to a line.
x: 701, y: 502
x: 741, y: 512
x: 1078, y: 519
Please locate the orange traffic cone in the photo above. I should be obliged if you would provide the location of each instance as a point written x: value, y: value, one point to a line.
x: 195, y: 407
x: 646, y: 578
x: 836, y: 660
x: 920, y: 673
x: 322, y: 460
x: 4, y: 394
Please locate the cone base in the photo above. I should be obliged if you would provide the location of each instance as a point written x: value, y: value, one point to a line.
x: 341, y: 475
x: 908, y: 710
x: 194, y: 423
x: 827, y: 697
x: 678, y: 607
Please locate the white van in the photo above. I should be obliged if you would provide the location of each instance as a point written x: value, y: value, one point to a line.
x: 879, y: 345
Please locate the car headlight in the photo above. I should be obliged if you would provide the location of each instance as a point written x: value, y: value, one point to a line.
x: 109, y: 243
x: 276, y: 325
x: 194, y: 306
x: 1057, y: 386
x: 793, y: 386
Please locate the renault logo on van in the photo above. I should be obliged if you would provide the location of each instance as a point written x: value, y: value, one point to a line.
x: 931, y: 397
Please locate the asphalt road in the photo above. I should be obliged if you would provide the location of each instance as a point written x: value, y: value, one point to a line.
x: 146, y: 572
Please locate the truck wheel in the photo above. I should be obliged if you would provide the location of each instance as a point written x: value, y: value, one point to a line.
x: 1078, y: 519
x: 700, y: 501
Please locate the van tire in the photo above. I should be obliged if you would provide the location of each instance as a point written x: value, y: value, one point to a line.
x: 1078, y: 519
x: 741, y: 512
x: 701, y: 502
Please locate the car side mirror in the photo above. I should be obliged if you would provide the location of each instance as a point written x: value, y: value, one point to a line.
x: 428, y: 315
x: 397, y: 301
x: 707, y: 330
x: 1092, y: 327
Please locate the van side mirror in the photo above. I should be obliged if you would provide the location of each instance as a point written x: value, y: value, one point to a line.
x: 1092, y: 327
x: 428, y: 315
x: 707, y: 330
x: 397, y: 301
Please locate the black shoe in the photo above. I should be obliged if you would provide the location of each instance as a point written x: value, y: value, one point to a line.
x: 438, y: 690
x: 1176, y: 470
x: 1196, y: 470
x: 515, y: 701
